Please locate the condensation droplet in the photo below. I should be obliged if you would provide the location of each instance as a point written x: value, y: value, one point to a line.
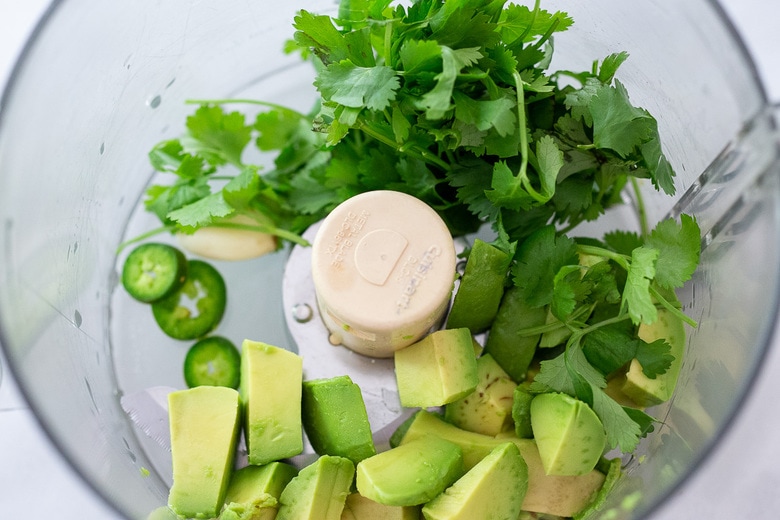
x: 334, y: 340
x: 302, y: 312
x: 154, y: 102
x: 77, y: 318
x: 102, y: 148
x: 460, y: 267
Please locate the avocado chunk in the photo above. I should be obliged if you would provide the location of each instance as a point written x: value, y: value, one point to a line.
x: 271, y: 388
x: 568, y: 433
x: 204, y: 424
x: 547, y: 494
x: 410, y: 474
x: 436, y: 370
x: 494, y: 488
x: 335, y: 418
x: 640, y: 388
x: 514, y: 352
x: 359, y: 507
x: 254, y: 491
x: 488, y: 409
x: 319, y: 490
x: 476, y: 302
x: 521, y: 411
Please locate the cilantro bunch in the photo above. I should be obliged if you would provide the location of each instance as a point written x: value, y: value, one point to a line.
x: 449, y: 101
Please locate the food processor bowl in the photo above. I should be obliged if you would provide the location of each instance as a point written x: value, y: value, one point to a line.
x: 100, y: 83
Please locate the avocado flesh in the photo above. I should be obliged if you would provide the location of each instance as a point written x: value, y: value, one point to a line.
x: 359, y: 507
x: 478, y: 297
x: 521, y: 411
x: 204, y: 425
x: 254, y: 491
x: 335, y: 418
x: 568, y: 433
x: 271, y: 380
x: 439, y: 369
x: 640, y: 388
x: 319, y: 490
x: 488, y: 409
x: 547, y: 494
x: 494, y: 488
x: 410, y: 474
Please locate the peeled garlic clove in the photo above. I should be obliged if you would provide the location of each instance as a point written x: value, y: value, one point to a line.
x: 224, y: 243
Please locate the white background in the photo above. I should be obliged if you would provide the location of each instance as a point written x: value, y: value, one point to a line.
x: 742, y: 479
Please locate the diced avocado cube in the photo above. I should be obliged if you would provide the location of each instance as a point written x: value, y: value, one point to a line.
x: 254, y: 491
x: 335, y: 418
x: 319, y: 490
x: 514, y: 352
x: 640, y: 388
x: 494, y: 488
x: 568, y: 433
x: 488, y: 409
x: 547, y: 494
x: 359, y: 507
x: 476, y: 302
x: 271, y: 380
x: 204, y: 425
x: 410, y: 474
x: 439, y: 369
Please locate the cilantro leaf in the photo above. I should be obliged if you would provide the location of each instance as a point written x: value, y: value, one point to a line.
x: 679, y: 248
x: 438, y: 100
x: 636, y: 293
x: 486, y: 114
x: 217, y: 137
x: 358, y: 87
x: 609, y: 348
x: 201, y: 213
x: 622, y: 431
x: 655, y: 358
x: 617, y: 124
x: 539, y: 258
x: 610, y: 65
x: 623, y: 242
x: 569, y: 289
x: 549, y: 161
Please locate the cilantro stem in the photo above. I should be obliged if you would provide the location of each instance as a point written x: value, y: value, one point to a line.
x: 621, y: 260
x: 640, y: 208
x: 271, y: 230
x: 411, y: 151
x: 144, y: 236
x: 671, y: 308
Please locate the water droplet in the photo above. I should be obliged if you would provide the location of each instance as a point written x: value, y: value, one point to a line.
x: 154, y: 102
x: 334, y: 340
x: 302, y: 313
x: 460, y: 267
x: 102, y: 148
x: 170, y: 83
x: 77, y: 318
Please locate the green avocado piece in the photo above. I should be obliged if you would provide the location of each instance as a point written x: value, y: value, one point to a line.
x: 359, y: 507
x: 568, y: 433
x: 488, y: 409
x: 254, y: 491
x: 204, y: 425
x: 477, y: 299
x: 436, y: 370
x: 640, y: 388
x: 510, y: 350
x: 521, y: 411
x: 335, y: 418
x: 547, y: 494
x: 271, y: 388
x: 494, y: 488
x: 319, y: 490
x: 410, y: 474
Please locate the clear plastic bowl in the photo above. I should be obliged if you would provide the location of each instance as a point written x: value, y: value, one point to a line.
x: 101, y: 82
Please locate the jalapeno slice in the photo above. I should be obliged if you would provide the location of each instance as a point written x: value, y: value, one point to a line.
x: 212, y: 361
x: 153, y: 271
x: 196, y: 308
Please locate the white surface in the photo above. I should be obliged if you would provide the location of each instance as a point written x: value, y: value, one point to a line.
x: 741, y: 480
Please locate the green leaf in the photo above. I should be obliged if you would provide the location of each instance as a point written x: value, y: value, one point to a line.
x: 617, y: 124
x: 622, y: 431
x: 319, y: 33
x: 636, y: 294
x: 486, y: 114
x: 277, y: 128
x: 217, y: 137
x: 420, y: 55
x: 568, y: 290
x: 550, y: 160
x: 507, y: 189
x: 358, y: 87
x: 655, y: 357
x: 539, y: 258
x: 609, y: 348
x: 201, y: 213
x: 623, y: 242
x: 610, y: 65
x: 679, y: 248
x: 438, y: 101
x: 518, y: 22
